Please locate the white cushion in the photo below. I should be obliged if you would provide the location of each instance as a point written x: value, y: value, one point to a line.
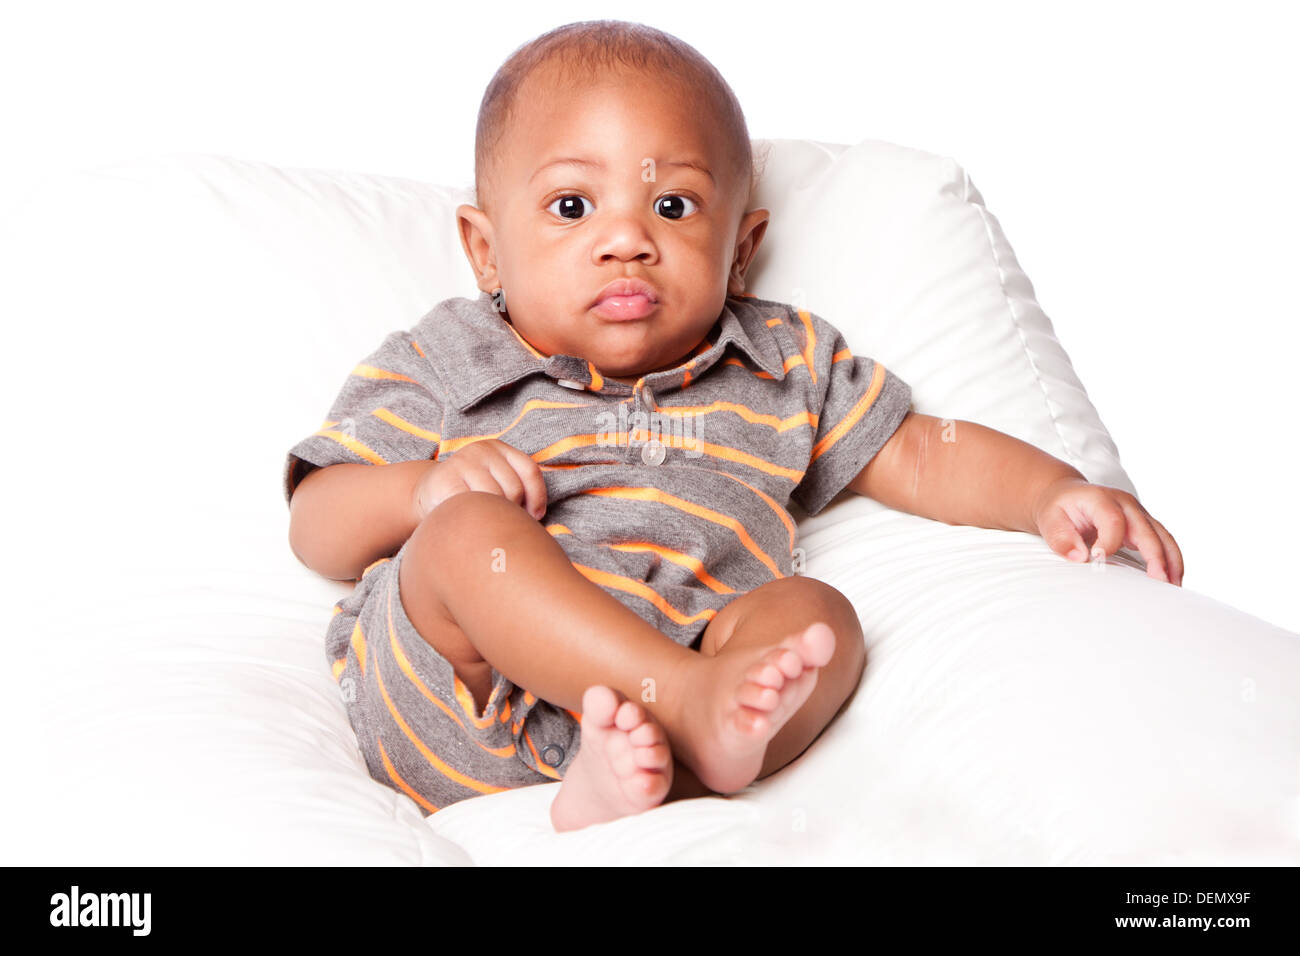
x: 178, y: 322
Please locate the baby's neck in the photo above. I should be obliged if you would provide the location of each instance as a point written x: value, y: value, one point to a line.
x: 632, y: 380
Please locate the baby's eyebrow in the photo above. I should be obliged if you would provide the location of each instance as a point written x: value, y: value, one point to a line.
x: 686, y: 162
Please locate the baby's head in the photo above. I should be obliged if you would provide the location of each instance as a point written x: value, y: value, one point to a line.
x: 662, y: 193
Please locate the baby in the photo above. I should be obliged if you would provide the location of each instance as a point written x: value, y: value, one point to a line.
x: 565, y: 501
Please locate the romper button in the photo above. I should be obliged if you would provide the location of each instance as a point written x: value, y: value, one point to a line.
x: 552, y: 755
x: 570, y: 383
x: 652, y: 452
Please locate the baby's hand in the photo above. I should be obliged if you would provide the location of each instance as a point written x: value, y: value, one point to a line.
x: 1071, y: 506
x: 486, y: 465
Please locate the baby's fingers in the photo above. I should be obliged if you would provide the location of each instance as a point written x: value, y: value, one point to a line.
x: 1173, y: 556
x: 1144, y: 537
x: 510, y: 485
x: 1111, y: 521
x: 529, y: 474
x: 481, y: 478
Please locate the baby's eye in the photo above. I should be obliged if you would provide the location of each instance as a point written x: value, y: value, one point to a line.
x: 669, y: 206
x: 568, y: 204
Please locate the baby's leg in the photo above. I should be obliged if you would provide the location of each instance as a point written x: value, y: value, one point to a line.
x: 788, y: 608
x: 488, y: 587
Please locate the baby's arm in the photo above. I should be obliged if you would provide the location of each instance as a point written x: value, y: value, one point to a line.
x: 959, y: 472
x: 344, y: 517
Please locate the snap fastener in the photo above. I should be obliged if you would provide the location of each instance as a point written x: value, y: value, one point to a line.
x: 552, y: 755
x: 570, y: 383
x: 652, y: 452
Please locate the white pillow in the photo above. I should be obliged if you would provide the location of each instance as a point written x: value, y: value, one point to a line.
x: 894, y: 246
x: 180, y: 321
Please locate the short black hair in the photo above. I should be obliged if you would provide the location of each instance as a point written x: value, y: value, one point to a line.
x: 582, y: 50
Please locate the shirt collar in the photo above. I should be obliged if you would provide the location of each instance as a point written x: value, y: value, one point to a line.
x: 477, y: 351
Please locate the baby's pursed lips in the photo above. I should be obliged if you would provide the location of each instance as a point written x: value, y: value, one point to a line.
x: 627, y: 286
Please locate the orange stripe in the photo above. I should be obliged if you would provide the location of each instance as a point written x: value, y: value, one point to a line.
x: 452, y: 444
x: 810, y: 345
x: 369, y: 371
x: 694, y: 564
x: 842, y: 355
x: 726, y: 453
x: 404, y: 664
x: 405, y: 787
x: 772, y: 322
x: 374, y: 564
x: 543, y: 768
x: 794, y: 361
x: 338, y: 667
x: 675, y: 441
x: 573, y: 713
x: 744, y: 411
x: 359, y: 645
x: 597, y: 380
x: 677, y: 557
x: 466, y: 701
x: 771, y: 503
x: 354, y: 446
x: 642, y: 590
x: 858, y: 410
x: 445, y: 769
x: 416, y: 345
x: 397, y: 421
x: 672, y: 501
x: 758, y: 372
x: 699, y: 350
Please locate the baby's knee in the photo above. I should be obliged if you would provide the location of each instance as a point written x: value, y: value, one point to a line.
x: 473, y: 510
x: 829, y: 604
x: 466, y: 520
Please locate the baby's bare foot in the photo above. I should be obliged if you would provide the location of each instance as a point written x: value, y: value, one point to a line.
x: 741, y: 699
x: 623, y: 766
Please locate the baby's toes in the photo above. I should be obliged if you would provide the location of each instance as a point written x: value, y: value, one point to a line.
x: 599, y: 705
x: 758, y: 697
x: 766, y: 673
x: 789, y: 663
x: 653, y: 757
x: 649, y: 745
x: 817, y: 644
x: 629, y: 716
x: 647, y: 734
x: 621, y: 755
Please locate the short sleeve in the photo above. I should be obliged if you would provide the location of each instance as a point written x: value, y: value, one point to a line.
x: 389, y: 409
x: 859, y: 405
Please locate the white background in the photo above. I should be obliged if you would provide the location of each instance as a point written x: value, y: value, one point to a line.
x: 1141, y: 157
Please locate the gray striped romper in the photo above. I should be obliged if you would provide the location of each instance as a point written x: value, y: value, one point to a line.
x: 669, y: 494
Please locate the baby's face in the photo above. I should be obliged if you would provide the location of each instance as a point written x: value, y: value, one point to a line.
x: 561, y: 231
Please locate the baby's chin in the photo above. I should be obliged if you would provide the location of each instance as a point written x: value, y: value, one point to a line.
x: 632, y: 366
